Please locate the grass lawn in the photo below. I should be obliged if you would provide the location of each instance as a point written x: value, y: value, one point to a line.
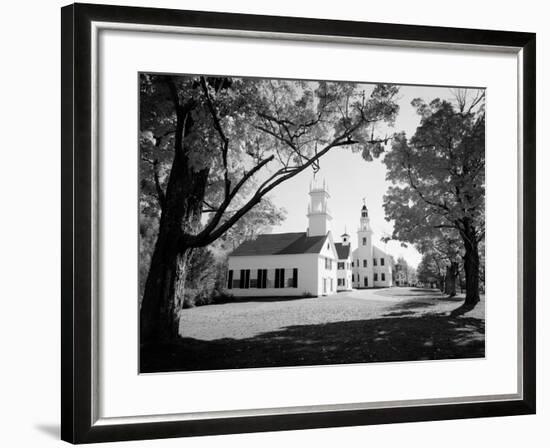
x: 394, y: 324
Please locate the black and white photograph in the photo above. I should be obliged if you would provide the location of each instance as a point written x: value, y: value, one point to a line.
x: 274, y: 224
x: 289, y: 222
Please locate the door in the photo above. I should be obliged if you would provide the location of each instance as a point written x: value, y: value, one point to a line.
x: 366, y: 281
x: 324, y: 286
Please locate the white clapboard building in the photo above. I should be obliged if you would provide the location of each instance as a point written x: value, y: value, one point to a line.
x: 306, y: 263
x: 371, y: 266
x: 344, y: 271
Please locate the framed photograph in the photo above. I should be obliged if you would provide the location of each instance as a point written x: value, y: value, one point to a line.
x: 276, y: 223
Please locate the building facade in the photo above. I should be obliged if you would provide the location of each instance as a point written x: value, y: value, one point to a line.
x: 371, y: 266
x: 308, y: 263
x: 343, y: 250
x: 289, y: 264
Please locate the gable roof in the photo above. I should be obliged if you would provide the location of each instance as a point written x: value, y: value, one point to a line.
x: 343, y: 251
x: 281, y: 244
x: 377, y: 251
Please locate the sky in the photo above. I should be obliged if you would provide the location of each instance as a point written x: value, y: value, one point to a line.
x: 350, y: 179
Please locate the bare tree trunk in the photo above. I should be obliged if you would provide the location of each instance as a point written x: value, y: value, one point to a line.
x: 163, y: 296
x: 165, y: 286
x: 451, y: 278
x: 181, y: 214
x: 471, y: 265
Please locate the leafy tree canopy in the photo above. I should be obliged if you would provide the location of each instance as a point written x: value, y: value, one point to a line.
x: 252, y: 134
x: 438, y: 175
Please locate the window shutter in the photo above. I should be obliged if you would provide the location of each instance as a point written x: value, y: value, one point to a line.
x: 241, y: 279
x: 230, y: 279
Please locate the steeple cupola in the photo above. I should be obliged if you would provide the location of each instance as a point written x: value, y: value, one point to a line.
x: 318, y: 212
x: 364, y: 223
x: 345, y: 238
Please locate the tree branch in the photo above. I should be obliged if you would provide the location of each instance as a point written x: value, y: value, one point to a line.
x: 219, y: 129
x: 160, y: 192
x: 204, y: 234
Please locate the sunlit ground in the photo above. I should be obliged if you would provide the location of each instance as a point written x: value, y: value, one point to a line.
x: 394, y: 324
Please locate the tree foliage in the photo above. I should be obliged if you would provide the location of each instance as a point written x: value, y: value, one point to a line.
x: 437, y: 197
x: 431, y: 269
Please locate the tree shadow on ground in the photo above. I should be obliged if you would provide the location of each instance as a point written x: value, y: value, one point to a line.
x: 409, y: 292
x: 407, y: 338
x: 419, y: 304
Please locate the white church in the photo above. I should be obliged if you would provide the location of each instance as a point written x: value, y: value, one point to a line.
x: 309, y: 263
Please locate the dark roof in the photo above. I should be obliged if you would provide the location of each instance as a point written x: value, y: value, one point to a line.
x: 343, y: 251
x: 281, y: 244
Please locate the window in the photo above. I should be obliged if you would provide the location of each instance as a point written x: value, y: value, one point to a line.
x: 292, y: 282
x: 279, y: 278
x: 328, y: 263
x: 352, y: 278
x: 352, y: 264
x: 328, y: 246
x: 262, y: 278
x: 364, y: 263
x: 364, y: 241
x: 383, y: 277
x: 270, y: 278
x: 375, y: 262
x: 375, y: 277
x: 230, y: 279
x: 341, y: 265
x: 340, y: 282
x: 331, y: 285
x: 244, y: 282
x: 381, y: 262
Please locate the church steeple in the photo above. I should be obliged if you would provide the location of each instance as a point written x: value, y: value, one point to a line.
x: 318, y: 212
x: 364, y: 223
x: 364, y: 233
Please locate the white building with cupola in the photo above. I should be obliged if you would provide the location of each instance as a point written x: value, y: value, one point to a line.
x: 371, y: 266
x: 308, y: 263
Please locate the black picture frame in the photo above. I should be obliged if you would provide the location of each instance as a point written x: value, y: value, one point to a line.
x: 77, y: 425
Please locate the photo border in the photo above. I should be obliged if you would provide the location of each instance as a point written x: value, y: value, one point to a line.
x: 79, y: 422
